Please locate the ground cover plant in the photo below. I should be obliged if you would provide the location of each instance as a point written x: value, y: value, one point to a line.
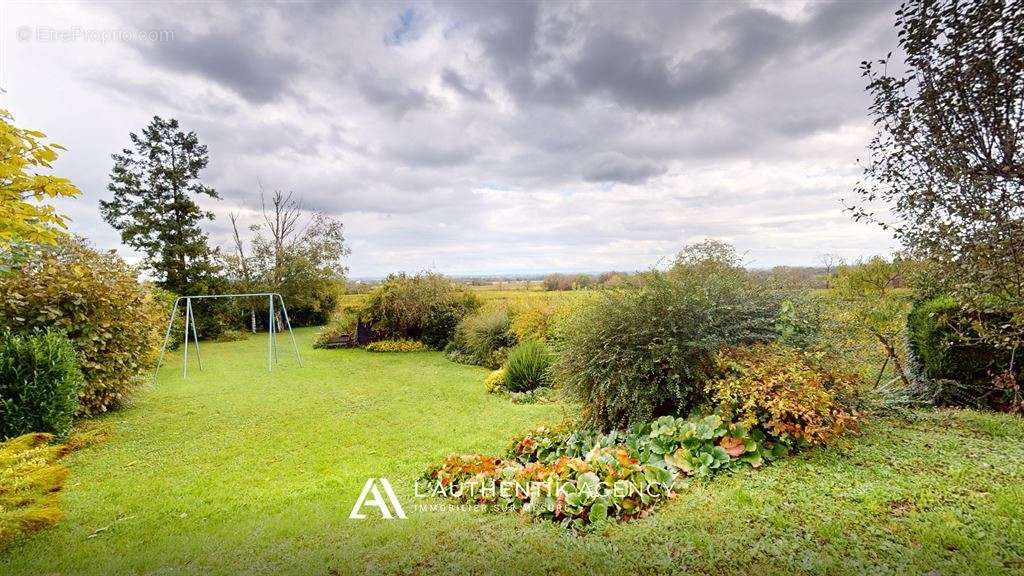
x: 30, y: 481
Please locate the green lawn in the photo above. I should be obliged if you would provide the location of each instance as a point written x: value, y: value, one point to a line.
x: 237, y: 471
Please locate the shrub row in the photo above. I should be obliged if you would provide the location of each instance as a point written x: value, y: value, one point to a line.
x: 114, y: 323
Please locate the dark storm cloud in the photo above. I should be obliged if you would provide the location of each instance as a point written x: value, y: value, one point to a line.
x: 638, y: 74
x: 643, y: 73
x: 232, y: 61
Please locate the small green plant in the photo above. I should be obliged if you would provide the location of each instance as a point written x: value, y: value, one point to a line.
x: 39, y: 384
x: 527, y: 366
x: 397, y: 346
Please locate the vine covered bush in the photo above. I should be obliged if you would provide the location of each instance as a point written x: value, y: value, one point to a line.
x: 425, y: 307
x: 115, y: 324
x: 397, y: 346
x: 39, y: 384
x: 792, y: 395
x: 631, y: 355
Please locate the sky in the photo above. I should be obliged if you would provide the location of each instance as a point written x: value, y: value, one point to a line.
x: 478, y: 138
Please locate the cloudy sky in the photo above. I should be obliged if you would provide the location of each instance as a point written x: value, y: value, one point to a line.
x: 479, y: 138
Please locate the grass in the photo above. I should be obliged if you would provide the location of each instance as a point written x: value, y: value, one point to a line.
x: 239, y: 471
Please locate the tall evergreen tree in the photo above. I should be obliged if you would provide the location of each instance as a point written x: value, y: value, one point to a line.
x: 155, y: 184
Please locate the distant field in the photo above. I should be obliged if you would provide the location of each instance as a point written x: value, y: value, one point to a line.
x: 506, y: 293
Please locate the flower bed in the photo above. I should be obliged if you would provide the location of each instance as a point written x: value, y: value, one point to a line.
x: 578, y: 477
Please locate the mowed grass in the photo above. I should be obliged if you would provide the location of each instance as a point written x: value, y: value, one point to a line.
x: 237, y: 471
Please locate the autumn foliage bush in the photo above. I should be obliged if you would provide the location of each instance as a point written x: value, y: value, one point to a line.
x: 790, y: 394
x: 114, y: 323
x: 425, y: 307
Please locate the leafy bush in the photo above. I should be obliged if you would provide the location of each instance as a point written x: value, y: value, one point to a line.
x: 30, y: 482
x: 424, y: 307
x: 482, y: 338
x: 397, y: 346
x: 792, y: 395
x: 310, y: 302
x: 531, y: 322
x: 39, y: 384
x: 115, y: 324
x: 957, y: 367
x: 527, y: 366
x: 631, y: 355
x: 495, y: 381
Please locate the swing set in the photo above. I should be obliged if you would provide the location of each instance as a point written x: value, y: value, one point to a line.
x: 190, y: 321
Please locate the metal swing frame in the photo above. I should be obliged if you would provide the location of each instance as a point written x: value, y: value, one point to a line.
x: 190, y: 320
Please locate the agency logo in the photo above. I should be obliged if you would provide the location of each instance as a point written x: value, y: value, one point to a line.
x: 370, y: 489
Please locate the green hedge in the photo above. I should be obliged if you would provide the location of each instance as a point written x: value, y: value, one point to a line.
x: 39, y: 384
x: 959, y: 369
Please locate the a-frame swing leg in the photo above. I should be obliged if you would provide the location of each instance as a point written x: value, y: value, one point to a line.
x: 288, y: 324
x: 167, y: 338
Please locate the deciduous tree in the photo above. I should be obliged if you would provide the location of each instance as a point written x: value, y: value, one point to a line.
x: 24, y: 191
